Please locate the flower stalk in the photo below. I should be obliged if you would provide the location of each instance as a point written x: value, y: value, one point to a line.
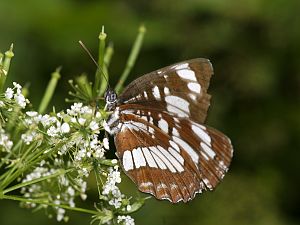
x: 55, y: 76
x: 5, y: 65
x: 132, y: 58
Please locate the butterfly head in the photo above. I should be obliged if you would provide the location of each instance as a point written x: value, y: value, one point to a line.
x: 111, y: 99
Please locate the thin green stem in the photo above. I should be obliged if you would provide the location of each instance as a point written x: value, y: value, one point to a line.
x: 37, y: 157
x: 8, y: 174
x: 108, y: 54
x: 97, y: 180
x: 58, y: 173
x: 100, y: 73
x: 37, y: 201
x: 16, y: 146
x: 132, y: 58
x: 107, y: 58
x: 6, y: 64
x: 55, y: 76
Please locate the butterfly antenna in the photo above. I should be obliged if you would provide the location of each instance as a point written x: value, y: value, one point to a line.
x: 93, y: 59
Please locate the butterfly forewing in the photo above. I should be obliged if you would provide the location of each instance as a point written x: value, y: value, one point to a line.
x: 180, y: 89
x: 160, y: 138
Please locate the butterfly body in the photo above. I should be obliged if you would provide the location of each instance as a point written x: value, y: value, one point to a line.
x: 160, y: 136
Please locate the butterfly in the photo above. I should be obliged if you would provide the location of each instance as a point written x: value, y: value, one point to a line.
x: 159, y: 132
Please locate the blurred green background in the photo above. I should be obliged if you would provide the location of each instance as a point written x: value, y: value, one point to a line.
x: 254, y: 46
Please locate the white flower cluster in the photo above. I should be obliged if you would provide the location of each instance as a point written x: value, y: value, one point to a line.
x: 79, y: 128
x: 125, y: 220
x: 4, y: 141
x: 67, y: 189
x: 110, y: 191
x: 16, y: 94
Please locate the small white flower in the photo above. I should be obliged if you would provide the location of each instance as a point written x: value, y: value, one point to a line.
x: 105, y: 143
x: 71, y: 191
x: 114, y: 161
x: 99, y: 153
x: 115, y: 176
x: 20, y: 99
x: 4, y: 140
x: 81, y: 121
x: 9, y: 93
x: 60, y: 214
x: 116, y: 202
x: 29, y: 137
x: 16, y: 85
x: 94, y: 126
x: 98, y: 115
x: 31, y: 113
x: 65, y: 128
x: 126, y: 220
x: 52, y: 131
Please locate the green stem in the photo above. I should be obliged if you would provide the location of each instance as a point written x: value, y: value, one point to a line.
x: 100, y: 73
x: 55, y: 76
x: 16, y: 146
x: 21, y: 199
x: 108, y: 54
x: 8, y: 174
x: 132, y: 58
x: 107, y: 58
x: 6, y: 64
x: 58, y: 173
x: 28, y: 164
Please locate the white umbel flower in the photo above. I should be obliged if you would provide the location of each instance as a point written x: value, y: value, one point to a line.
x: 94, y: 126
x: 105, y: 143
x: 126, y: 220
x: 9, y: 93
x: 65, y: 128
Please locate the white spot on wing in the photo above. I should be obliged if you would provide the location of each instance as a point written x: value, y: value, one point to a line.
x: 166, y: 91
x: 127, y: 160
x: 201, y: 134
x: 145, y: 95
x: 138, y: 158
x: 174, y: 145
x: 188, y: 149
x: 187, y: 74
x: 176, y: 155
x: 175, y: 132
x: 177, y: 105
x: 195, y: 87
x: 161, y: 186
x: 163, y: 125
x: 172, y: 160
x: 156, y: 93
x: 177, y: 111
x: 208, y: 150
x: 144, y: 118
x: 204, y: 155
x: 146, y: 184
x: 163, y: 158
x: 192, y: 96
x: 182, y: 66
x: 149, y: 158
x: 159, y: 162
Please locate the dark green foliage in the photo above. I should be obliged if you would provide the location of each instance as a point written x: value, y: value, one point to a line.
x: 254, y: 47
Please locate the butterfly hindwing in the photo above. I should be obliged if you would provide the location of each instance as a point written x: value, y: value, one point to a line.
x: 162, y: 159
